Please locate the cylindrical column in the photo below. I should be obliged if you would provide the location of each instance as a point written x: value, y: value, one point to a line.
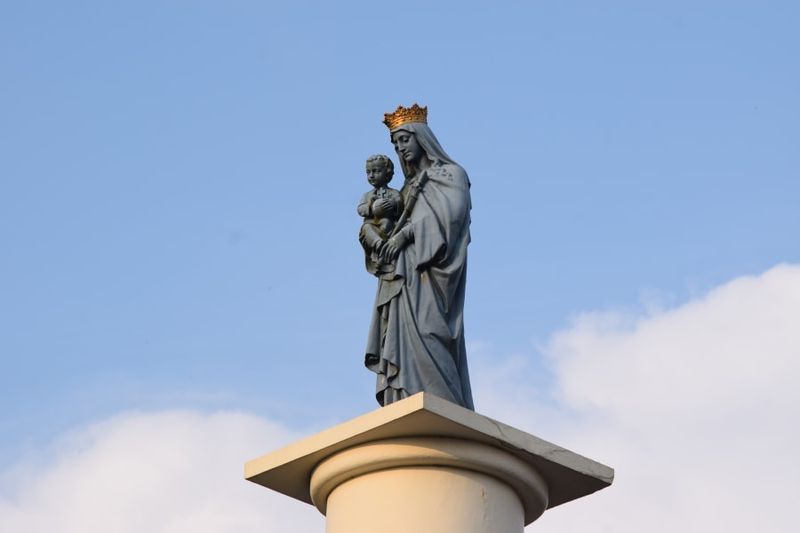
x: 430, y: 485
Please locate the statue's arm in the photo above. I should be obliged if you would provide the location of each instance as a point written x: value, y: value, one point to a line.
x: 406, y: 234
x: 399, y: 241
x: 365, y: 205
x: 403, y: 236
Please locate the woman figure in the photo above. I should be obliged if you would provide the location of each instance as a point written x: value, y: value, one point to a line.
x: 416, y: 338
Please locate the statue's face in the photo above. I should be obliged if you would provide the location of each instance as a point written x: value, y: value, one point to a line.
x: 407, y: 146
x: 377, y: 173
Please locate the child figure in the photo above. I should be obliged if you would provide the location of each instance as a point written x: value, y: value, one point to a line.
x: 380, y: 207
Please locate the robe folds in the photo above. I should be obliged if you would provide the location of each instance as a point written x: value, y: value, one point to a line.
x: 416, y: 337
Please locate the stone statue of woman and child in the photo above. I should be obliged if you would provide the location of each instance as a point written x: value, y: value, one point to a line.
x: 415, y: 242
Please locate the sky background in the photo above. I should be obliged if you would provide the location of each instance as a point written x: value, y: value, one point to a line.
x: 181, y: 281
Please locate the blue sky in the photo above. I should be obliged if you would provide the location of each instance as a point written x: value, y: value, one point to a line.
x: 178, y: 183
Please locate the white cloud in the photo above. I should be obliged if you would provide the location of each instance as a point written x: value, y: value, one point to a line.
x: 695, y: 407
x: 167, y: 472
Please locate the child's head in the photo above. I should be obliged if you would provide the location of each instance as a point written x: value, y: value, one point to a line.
x: 380, y: 170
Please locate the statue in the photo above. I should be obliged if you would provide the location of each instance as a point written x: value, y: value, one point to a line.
x: 380, y: 207
x: 416, y: 337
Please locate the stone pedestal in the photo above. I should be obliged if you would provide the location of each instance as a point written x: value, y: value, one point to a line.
x: 427, y: 465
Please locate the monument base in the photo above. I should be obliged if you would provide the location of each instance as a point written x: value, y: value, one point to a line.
x: 425, y: 464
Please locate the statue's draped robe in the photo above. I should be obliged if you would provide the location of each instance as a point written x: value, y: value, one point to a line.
x: 416, y: 338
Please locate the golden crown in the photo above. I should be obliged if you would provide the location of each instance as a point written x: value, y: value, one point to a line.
x: 404, y: 115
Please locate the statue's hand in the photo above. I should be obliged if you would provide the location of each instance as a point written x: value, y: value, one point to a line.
x: 393, y: 246
x: 382, y: 207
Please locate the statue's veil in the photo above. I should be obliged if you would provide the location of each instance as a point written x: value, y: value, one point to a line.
x: 428, y: 141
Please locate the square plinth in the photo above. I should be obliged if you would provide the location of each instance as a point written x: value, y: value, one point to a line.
x: 567, y: 474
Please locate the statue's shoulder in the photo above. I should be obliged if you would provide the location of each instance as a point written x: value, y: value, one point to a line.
x: 448, y: 172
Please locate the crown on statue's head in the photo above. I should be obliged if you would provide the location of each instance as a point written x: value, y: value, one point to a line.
x: 404, y: 115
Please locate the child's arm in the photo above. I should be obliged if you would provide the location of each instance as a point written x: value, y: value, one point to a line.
x: 365, y: 205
